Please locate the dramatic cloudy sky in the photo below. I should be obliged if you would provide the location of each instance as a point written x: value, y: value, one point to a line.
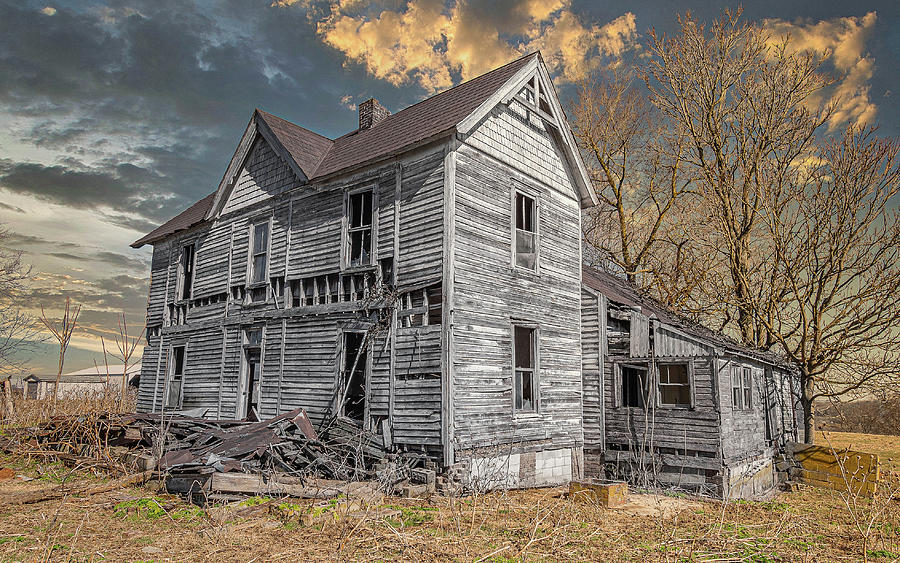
x: 114, y: 116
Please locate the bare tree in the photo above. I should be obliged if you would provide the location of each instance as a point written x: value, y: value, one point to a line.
x: 635, y: 154
x: 18, y: 331
x: 837, y: 253
x: 63, y: 334
x: 745, y: 100
x: 126, y: 346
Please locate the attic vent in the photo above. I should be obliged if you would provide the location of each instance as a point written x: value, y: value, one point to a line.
x: 371, y: 113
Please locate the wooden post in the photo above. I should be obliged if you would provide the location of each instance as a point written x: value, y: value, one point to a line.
x: 8, y: 408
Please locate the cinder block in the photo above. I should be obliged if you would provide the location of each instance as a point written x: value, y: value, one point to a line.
x: 609, y: 495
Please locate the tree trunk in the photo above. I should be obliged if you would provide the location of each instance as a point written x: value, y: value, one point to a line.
x: 809, y: 414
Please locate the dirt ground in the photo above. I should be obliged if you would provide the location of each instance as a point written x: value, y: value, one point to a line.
x: 138, y: 524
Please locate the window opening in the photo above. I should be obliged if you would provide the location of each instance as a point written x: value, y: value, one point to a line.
x: 260, y: 251
x: 187, y: 271
x: 634, y: 386
x: 353, y: 376
x: 674, y: 385
x: 359, y: 229
x: 525, y: 375
x: 526, y: 232
x: 176, y: 377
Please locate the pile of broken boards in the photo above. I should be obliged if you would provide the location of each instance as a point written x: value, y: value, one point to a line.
x: 282, y: 456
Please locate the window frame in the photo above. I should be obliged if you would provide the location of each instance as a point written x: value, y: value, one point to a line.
x: 535, y: 369
x: 244, y: 391
x: 689, y: 373
x: 741, y: 387
x: 347, y: 230
x: 619, y: 383
x: 534, y: 195
x: 170, y: 376
x: 186, y: 285
x: 251, y: 254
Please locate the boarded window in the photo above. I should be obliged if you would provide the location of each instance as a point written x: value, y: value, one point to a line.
x: 260, y: 252
x: 674, y: 385
x: 186, y: 270
x: 526, y: 232
x: 359, y: 229
x: 525, y: 355
x: 176, y: 377
x: 633, y: 386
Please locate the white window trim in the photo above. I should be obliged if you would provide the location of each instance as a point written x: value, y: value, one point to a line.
x: 536, y: 377
x: 519, y: 187
x: 345, y: 228
x: 248, y: 278
x: 689, y: 365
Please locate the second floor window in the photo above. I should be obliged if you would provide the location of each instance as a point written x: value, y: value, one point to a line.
x: 186, y: 270
x: 526, y: 232
x: 359, y: 229
x: 259, y: 252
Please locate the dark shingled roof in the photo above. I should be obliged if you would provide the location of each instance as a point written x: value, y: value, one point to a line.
x: 184, y: 220
x: 624, y: 292
x: 306, y: 148
x: 318, y: 156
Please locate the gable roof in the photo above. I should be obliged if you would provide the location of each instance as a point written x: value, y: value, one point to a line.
x: 625, y: 293
x: 191, y: 216
x: 313, y: 156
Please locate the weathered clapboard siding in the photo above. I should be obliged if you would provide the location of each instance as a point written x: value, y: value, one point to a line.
x: 417, y: 412
x: 380, y: 380
x: 203, y: 354
x: 149, y: 365
x: 387, y: 196
x: 591, y: 363
x: 670, y: 343
x: 310, y: 364
x: 211, y: 265
x: 509, y: 135
x: 229, y: 377
x: 489, y: 293
x: 264, y: 175
x: 159, y: 270
x: 271, y: 369
x: 421, y: 220
x: 418, y: 351
x: 316, y: 240
x: 240, y: 241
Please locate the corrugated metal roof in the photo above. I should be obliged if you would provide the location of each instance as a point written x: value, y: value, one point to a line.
x: 318, y: 156
x: 625, y: 293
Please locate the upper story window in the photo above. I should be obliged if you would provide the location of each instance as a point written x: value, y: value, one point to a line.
x: 741, y: 388
x: 186, y: 272
x: 259, y: 252
x: 674, y: 385
x: 359, y: 228
x: 525, y: 379
x: 526, y: 231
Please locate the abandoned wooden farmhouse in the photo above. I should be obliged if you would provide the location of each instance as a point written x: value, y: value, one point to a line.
x: 421, y: 275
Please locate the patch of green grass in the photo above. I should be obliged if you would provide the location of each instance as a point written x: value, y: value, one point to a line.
x: 152, y: 509
x: 412, y: 516
x: 882, y: 554
x: 254, y: 501
x: 13, y: 539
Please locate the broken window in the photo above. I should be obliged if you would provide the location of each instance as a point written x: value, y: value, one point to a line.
x: 524, y: 352
x: 359, y: 229
x: 186, y: 271
x: 748, y: 388
x: 176, y: 377
x: 526, y: 232
x: 353, y: 376
x: 634, y: 386
x: 674, y: 385
x: 259, y: 252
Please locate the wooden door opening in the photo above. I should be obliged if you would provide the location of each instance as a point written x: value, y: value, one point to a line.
x: 251, y: 375
x: 353, y: 380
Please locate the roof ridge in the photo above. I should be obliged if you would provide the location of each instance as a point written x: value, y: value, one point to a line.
x: 264, y: 113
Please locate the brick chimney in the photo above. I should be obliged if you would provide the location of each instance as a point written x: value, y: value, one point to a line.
x: 371, y: 113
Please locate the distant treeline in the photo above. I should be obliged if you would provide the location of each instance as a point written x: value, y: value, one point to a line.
x: 868, y: 417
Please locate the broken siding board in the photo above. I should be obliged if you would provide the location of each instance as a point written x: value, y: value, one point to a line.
x: 488, y: 291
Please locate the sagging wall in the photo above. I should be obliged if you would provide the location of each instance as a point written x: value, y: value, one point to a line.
x: 301, y: 345
x: 511, y: 151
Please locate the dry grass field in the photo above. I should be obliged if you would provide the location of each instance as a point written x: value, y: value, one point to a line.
x: 139, y: 524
